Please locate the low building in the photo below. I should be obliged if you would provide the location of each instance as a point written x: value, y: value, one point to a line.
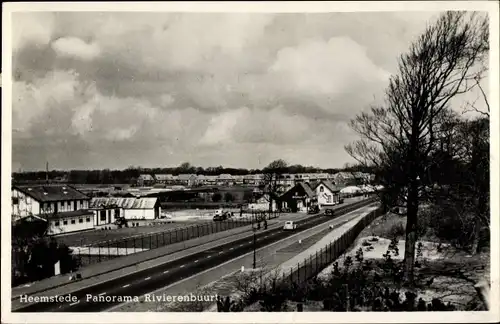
x: 262, y: 203
x: 166, y: 179
x: 188, y: 180
x: 64, y: 207
x: 327, y: 194
x: 71, y: 221
x: 130, y: 208
x: 225, y: 180
x: 145, y: 180
x: 298, y: 198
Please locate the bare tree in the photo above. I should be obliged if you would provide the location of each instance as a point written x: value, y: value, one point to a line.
x: 272, y: 175
x: 401, y: 134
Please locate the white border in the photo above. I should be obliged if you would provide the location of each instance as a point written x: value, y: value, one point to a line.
x: 305, y: 6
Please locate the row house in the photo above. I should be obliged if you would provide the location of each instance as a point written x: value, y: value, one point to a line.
x: 166, y: 179
x: 253, y: 179
x: 63, y: 207
x: 145, y: 180
x: 225, y: 180
x: 188, y: 180
x: 207, y: 180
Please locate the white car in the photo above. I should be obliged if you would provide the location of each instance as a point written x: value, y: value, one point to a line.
x: 289, y: 226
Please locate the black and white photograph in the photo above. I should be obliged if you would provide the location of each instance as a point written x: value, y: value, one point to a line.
x: 323, y: 162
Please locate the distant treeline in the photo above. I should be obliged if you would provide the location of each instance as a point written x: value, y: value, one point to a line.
x: 130, y: 174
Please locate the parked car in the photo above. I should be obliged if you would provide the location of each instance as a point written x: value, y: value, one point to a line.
x: 313, y: 210
x: 289, y: 226
x: 329, y: 211
x: 220, y: 217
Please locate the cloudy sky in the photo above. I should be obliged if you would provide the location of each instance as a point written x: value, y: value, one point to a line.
x: 95, y: 90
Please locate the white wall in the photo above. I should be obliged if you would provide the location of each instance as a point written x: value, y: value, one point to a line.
x: 87, y: 223
x: 25, y: 205
x: 109, y: 216
x: 326, y: 197
x: 139, y: 213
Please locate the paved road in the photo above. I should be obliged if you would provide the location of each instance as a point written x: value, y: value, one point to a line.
x: 140, y: 283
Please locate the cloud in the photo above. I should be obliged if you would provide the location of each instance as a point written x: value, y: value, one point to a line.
x: 113, y: 89
x: 75, y: 47
x: 31, y: 28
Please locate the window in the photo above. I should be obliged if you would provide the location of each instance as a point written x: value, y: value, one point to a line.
x: 103, y: 216
x: 117, y: 213
x: 80, y: 220
x: 56, y: 223
x: 15, y: 200
x: 65, y: 222
x: 321, y: 189
x: 88, y: 219
x: 328, y: 199
x: 73, y: 221
x: 74, y: 205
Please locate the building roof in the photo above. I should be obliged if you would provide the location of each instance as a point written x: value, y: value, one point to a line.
x: 146, y: 177
x: 225, y: 176
x: 124, y: 202
x: 307, y: 189
x: 329, y: 185
x: 45, y: 193
x: 186, y: 176
x: 164, y: 177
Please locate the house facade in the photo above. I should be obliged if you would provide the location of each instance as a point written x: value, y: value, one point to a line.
x: 327, y: 194
x: 188, y: 180
x: 145, y: 180
x: 225, y: 180
x: 262, y: 204
x: 298, y: 198
x: 64, y: 207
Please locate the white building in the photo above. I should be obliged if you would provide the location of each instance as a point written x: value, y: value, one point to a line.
x: 327, y: 194
x: 64, y: 207
x: 130, y: 208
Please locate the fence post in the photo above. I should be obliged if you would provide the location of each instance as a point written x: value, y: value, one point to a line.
x: 142, y: 242
x: 117, y: 246
x: 157, y: 244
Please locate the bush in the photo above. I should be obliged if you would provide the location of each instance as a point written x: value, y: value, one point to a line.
x: 397, y: 230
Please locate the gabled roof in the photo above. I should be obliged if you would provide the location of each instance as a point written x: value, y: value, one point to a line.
x: 225, y: 176
x: 307, y: 189
x: 45, y: 193
x: 186, y: 176
x: 163, y: 177
x: 146, y: 177
x: 329, y: 185
x: 126, y: 203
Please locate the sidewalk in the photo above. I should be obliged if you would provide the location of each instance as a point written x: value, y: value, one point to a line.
x: 176, y: 250
x: 277, y: 262
x: 285, y: 267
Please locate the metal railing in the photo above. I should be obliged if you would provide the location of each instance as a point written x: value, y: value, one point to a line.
x: 118, y: 248
x: 315, y: 263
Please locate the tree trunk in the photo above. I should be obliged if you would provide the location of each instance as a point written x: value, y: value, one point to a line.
x: 411, y: 236
x: 475, y: 241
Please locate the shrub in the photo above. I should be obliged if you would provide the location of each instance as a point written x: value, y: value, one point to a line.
x: 397, y: 230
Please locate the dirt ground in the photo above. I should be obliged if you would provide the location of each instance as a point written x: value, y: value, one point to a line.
x: 443, y: 271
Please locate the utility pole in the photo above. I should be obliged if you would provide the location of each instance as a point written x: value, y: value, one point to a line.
x: 47, y: 172
x: 254, y: 261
